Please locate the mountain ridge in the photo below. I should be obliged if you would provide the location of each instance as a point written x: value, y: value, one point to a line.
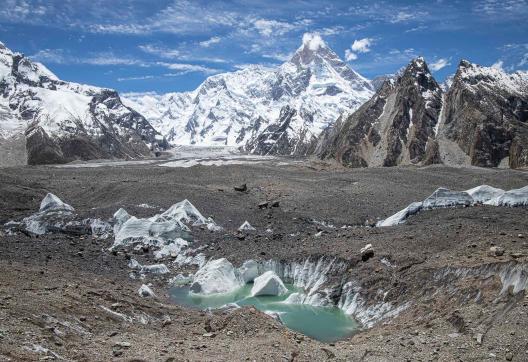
x: 234, y: 108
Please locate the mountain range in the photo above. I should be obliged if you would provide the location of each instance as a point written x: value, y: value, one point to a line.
x: 312, y: 105
x: 46, y: 120
x: 311, y: 90
x: 480, y: 119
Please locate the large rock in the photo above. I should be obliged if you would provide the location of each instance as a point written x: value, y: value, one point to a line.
x: 268, y: 283
x: 216, y: 276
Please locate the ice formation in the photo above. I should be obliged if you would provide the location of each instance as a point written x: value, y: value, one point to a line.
x: 216, y: 276
x: 246, y: 226
x: 172, y: 249
x: 148, y: 269
x: 443, y: 197
x: 145, y: 291
x: 249, y: 271
x: 512, y: 198
x: 53, y: 203
x: 268, y: 283
x: 484, y: 193
x: 160, y: 230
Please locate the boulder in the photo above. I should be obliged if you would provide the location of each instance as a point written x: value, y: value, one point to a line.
x: 241, y: 188
x: 367, y: 252
x: 268, y: 283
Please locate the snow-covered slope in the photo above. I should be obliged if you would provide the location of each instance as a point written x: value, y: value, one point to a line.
x: 62, y: 121
x: 234, y: 108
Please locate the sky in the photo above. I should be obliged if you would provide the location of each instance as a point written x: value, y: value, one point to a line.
x: 173, y: 45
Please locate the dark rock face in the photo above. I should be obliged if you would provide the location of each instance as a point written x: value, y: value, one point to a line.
x: 392, y: 128
x: 482, y: 119
x: 486, y: 114
x: 66, y: 121
x: 280, y: 138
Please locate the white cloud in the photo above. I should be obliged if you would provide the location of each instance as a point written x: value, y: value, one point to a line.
x: 59, y: 56
x: 498, y: 65
x: 188, y: 68
x: 144, y: 77
x: 160, y: 51
x: 362, y: 45
x: 179, y: 54
x: 439, y: 64
x: 268, y: 27
x: 350, y: 55
x: 524, y: 60
x: 402, y: 16
x: 211, y: 41
x: 283, y: 57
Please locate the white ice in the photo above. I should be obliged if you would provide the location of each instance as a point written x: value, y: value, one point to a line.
x: 52, y: 202
x: 246, y: 226
x: 172, y: 249
x: 268, y: 283
x: 249, y: 270
x: 216, y: 276
x: 161, y: 229
x: 512, y: 198
x: 443, y: 197
x: 145, y: 291
x: 401, y: 216
x: 484, y: 193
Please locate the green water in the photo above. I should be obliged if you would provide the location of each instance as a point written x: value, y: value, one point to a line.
x: 326, y: 324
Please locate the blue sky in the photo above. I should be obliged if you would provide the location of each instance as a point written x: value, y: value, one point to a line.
x: 173, y: 45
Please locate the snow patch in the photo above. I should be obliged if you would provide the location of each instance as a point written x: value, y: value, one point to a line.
x: 268, y: 283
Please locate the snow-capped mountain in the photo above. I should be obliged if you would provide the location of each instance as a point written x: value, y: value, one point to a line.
x: 486, y: 115
x: 46, y: 120
x: 481, y: 120
x: 393, y: 127
x: 235, y: 108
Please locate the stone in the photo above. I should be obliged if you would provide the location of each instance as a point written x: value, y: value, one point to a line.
x: 496, y: 251
x: 241, y: 188
x: 263, y: 205
x: 367, y: 252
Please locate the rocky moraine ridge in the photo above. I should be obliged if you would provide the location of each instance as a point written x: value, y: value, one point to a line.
x: 480, y: 120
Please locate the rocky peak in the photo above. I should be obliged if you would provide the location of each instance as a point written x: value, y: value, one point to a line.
x: 313, y: 49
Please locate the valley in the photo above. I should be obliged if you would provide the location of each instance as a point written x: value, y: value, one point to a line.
x: 452, y: 299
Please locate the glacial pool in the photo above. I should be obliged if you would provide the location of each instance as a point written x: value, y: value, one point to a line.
x: 326, y: 324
